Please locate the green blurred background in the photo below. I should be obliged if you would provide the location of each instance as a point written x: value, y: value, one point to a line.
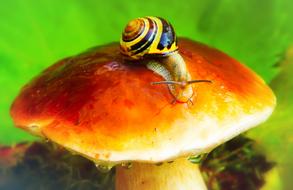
x: 259, y: 33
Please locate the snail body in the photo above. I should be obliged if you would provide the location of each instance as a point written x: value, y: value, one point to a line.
x: 173, y: 69
x: 154, y: 39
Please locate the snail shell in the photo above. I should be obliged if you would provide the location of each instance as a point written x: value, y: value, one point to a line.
x: 148, y: 36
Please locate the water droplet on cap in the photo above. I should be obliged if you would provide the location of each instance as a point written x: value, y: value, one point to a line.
x: 159, y: 163
x: 103, y: 168
x: 127, y: 165
x: 196, y: 159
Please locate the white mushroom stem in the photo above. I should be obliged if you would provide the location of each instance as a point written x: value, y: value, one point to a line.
x: 178, y: 175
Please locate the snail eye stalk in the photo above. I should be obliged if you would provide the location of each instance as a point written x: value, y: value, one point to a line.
x: 182, y: 83
x: 197, y: 81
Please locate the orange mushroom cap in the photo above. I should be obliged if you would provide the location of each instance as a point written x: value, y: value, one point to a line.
x: 104, y: 107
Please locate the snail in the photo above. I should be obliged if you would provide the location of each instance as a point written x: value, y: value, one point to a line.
x: 153, y: 38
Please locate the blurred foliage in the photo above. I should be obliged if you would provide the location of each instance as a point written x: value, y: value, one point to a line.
x: 238, y: 164
x: 276, y: 134
x: 34, y: 34
x: 45, y: 166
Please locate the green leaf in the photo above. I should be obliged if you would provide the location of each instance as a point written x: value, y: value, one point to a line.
x: 255, y: 32
x: 34, y: 34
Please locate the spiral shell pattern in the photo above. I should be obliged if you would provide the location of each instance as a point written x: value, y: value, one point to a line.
x: 148, y: 36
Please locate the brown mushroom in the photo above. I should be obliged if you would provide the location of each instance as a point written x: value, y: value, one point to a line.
x: 100, y: 106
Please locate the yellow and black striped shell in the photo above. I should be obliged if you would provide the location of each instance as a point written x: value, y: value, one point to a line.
x: 147, y: 37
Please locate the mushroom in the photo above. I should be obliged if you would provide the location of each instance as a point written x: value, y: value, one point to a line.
x: 105, y: 108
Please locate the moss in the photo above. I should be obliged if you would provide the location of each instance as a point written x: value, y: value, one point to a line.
x: 237, y: 164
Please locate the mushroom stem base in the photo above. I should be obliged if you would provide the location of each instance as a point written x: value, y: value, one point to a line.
x: 178, y: 175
